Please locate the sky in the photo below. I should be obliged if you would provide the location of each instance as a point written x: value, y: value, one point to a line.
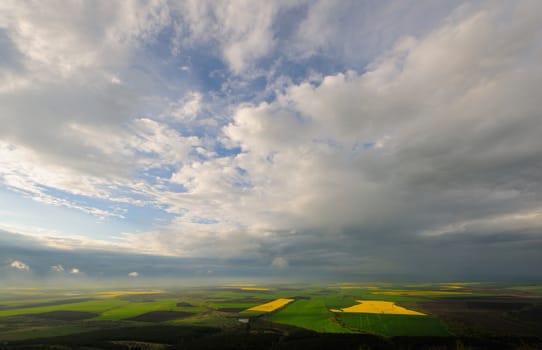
x: 321, y: 139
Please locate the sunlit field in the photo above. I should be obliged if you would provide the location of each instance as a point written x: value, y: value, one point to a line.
x: 271, y: 306
x: 378, y: 307
x: 159, y: 318
x: 118, y: 293
x: 423, y: 293
x: 254, y: 288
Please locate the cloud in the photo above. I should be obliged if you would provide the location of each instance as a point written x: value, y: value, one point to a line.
x: 351, y: 32
x: 406, y: 137
x: 107, y: 265
x: 75, y: 271
x: 243, y: 30
x: 74, y: 83
x: 157, y: 145
x: 133, y: 274
x: 188, y: 107
x: 57, y: 268
x: 356, y: 32
x: 19, y: 265
x: 392, y: 152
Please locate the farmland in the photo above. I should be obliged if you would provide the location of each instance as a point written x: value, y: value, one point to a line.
x: 123, y: 318
x: 393, y: 325
x: 310, y: 314
x: 272, y: 305
x: 378, y: 307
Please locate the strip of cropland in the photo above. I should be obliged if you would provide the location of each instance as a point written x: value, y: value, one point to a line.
x: 272, y: 305
x: 119, y: 293
x: 256, y: 289
x: 392, y: 325
x: 378, y: 307
x: 310, y: 314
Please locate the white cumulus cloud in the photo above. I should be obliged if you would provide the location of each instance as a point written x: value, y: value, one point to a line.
x: 19, y: 265
x: 57, y: 268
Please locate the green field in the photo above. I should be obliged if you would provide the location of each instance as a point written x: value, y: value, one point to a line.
x: 314, y: 314
x: 393, y: 325
x: 42, y: 332
x: 137, y: 308
x: 98, y: 306
x: 93, y: 314
x: 309, y: 314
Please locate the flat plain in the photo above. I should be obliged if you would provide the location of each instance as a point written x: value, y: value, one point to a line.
x: 262, y: 316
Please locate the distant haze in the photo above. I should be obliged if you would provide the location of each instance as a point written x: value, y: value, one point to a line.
x: 306, y: 140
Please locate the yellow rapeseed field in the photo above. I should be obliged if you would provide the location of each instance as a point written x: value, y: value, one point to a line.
x: 272, y: 305
x: 254, y: 288
x: 117, y: 293
x: 421, y: 293
x: 357, y: 287
x: 378, y: 307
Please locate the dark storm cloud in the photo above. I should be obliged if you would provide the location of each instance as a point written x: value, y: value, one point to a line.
x: 43, y: 265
